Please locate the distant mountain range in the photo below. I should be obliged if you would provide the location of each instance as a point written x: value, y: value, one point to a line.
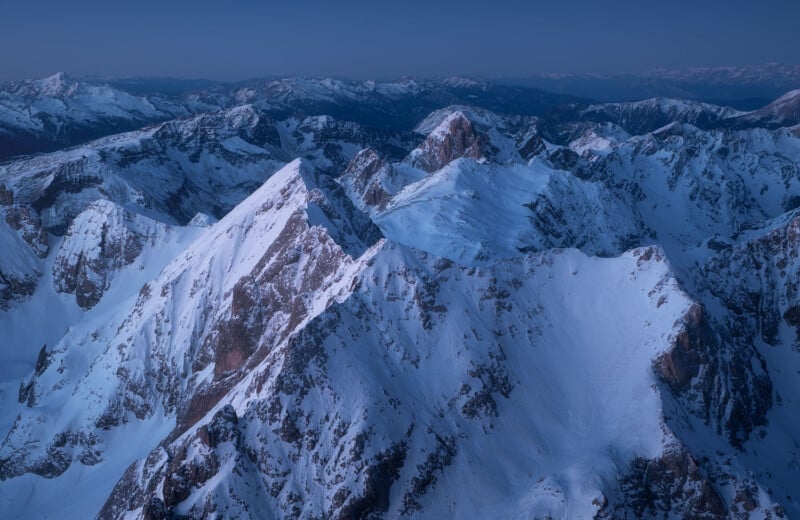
x: 744, y: 88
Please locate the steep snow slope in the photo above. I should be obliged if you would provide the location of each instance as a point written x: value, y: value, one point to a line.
x: 784, y: 111
x: 465, y: 211
x: 482, y: 202
x: 679, y: 185
x: 56, y: 317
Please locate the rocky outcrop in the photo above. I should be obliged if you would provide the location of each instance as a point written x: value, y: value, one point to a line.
x: 690, y: 351
x: 14, y: 288
x: 455, y: 137
x: 283, y: 233
x: 101, y: 241
x: 27, y: 224
x: 290, y: 363
x: 363, y: 179
x: 328, y: 142
x: 668, y: 486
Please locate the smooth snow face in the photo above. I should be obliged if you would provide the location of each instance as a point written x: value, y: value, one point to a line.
x: 573, y: 337
x: 466, y: 211
x: 477, y: 213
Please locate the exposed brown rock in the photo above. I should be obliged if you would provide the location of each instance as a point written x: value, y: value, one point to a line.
x: 532, y: 147
x: 669, y: 486
x: 457, y: 138
x: 362, y: 176
x: 681, y: 363
x: 182, y: 476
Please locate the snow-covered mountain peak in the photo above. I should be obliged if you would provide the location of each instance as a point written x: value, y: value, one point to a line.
x: 458, y: 82
x: 457, y: 135
x: 482, y: 117
x: 639, y: 117
x: 342, y: 354
x: 54, y: 85
x: 788, y: 98
x: 268, y: 266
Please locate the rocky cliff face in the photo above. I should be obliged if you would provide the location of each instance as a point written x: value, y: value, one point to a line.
x: 455, y: 137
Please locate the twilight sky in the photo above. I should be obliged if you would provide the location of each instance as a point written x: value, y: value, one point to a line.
x: 238, y: 39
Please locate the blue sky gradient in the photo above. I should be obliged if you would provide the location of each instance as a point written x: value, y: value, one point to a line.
x: 241, y: 39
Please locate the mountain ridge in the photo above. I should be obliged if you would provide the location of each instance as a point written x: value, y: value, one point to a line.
x: 263, y: 311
